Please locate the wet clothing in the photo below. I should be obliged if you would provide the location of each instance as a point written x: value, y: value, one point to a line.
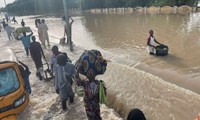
x: 63, y: 82
x: 90, y: 64
x: 36, y: 54
x: 151, y: 44
x: 26, y: 42
x: 25, y: 75
x: 53, y: 61
x: 27, y: 50
x: 40, y: 32
x: 45, y: 33
x: 66, y: 32
x: 91, y: 99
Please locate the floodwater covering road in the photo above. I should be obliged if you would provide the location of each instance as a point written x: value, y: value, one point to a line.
x: 160, y: 86
x: 44, y: 102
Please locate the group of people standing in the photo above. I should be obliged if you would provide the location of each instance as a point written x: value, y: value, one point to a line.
x: 42, y: 31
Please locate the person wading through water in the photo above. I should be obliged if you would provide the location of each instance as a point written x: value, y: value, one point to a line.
x: 68, y: 29
x: 91, y: 64
x: 53, y: 59
x: 45, y: 32
x: 26, y: 41
x: 151, y: 43
x: 65, y: 72
x: 36, y: 54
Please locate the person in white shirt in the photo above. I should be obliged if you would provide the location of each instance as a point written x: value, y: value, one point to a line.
x: 152, y: 43
x: 68, y: 29
x: 40, y: 32
x: 45, y: 33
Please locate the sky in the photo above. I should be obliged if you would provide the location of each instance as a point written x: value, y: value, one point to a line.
x: 2, y: 4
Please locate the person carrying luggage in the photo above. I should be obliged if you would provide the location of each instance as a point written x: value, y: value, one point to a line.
x: 151, y: 43
x: 26, y: 41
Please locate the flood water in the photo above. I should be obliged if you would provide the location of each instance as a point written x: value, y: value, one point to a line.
x: 160, y: 86
x: 125, y: 36
x: 122, y: 39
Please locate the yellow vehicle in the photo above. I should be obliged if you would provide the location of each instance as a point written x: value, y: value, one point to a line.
x: 13, y: 96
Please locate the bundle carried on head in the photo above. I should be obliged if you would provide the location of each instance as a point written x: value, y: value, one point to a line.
x: 91, y: 63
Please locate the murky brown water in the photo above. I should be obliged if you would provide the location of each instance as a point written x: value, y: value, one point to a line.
x: 122, y: 39
x: 126, y: 35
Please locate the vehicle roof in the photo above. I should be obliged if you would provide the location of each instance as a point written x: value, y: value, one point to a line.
x: 7, y: 54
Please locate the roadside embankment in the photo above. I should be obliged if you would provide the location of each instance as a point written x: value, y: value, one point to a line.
x: 150, y: 10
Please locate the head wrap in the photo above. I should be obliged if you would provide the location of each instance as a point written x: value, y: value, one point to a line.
x: 91, y: 63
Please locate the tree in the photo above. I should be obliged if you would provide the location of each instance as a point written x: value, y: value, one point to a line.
x: 24, y: 7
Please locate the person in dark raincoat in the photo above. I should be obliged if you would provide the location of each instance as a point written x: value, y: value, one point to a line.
x: 65, y: 71
x: 90, y: 64
x: 36, y: 54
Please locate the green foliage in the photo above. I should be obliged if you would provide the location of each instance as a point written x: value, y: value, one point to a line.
x: 23, y: 7
x: 88, y: 4
x: 26, y: 7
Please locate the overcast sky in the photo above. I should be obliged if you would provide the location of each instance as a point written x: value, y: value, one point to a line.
x: 2, y: 4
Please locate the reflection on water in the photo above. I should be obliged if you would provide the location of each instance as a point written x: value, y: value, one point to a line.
x: 125, y: 36
x: 122, y: 39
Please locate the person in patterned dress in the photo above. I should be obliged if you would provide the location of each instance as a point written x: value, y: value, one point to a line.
x: 90, y: 64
